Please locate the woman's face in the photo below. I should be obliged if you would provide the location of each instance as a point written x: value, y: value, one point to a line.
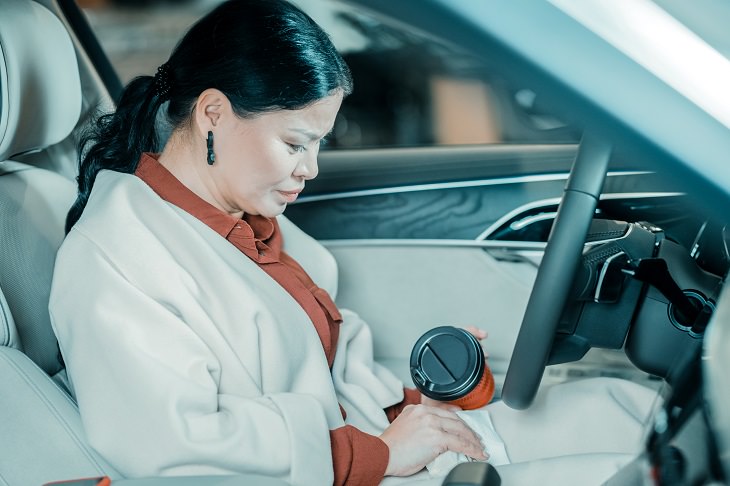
x: 262, y: 163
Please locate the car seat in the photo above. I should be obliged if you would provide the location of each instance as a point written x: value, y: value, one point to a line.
x: 40, y: 105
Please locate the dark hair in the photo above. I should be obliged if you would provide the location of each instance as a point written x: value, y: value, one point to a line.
x: 264, y: 55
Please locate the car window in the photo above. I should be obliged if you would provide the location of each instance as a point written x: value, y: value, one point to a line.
x: 683, y: 50
x: 410, y: 89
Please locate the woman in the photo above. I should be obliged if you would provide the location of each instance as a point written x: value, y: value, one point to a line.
x: 194, y: 343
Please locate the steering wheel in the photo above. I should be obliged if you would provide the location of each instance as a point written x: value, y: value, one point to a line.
x: 556, y: 272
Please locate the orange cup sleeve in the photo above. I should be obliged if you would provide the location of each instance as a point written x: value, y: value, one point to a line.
x: 480, y: 395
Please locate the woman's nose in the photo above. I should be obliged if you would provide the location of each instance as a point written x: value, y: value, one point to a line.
x: 307, y: 168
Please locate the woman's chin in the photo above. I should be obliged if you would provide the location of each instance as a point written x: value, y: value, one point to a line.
x: 272, y: 212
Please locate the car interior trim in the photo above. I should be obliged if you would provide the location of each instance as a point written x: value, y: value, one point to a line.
x: 487, y: 244
x: 604, y: 270
x: 7, y: 326
x: 453, y: 185
x: 601, y: 242
x: 3, y: 96
x: 556, y: 200
x: 535, y: 218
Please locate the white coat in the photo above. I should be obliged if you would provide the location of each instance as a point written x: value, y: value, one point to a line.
x: 186, y: 358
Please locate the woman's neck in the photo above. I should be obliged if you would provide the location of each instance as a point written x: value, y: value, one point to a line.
x: 185, y: 158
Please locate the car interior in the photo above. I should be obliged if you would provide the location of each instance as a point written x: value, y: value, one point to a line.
x: 460, y: 235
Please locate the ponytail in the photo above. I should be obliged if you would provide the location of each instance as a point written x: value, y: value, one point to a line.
x: 264, y: 55
x: 116, y: 140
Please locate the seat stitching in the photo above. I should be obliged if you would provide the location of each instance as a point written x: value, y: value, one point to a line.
x: 5, y: 171
x: 6, y: 325
x: 3, y: 481
x: 641, y: 420
x: 55, y: 412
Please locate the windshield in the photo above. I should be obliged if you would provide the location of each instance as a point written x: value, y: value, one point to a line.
x: 685, y: 44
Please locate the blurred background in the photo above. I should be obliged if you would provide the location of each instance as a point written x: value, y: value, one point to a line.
x: 410, y: 90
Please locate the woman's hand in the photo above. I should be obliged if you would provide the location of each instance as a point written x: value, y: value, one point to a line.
x: 478, y: 333
x: 421, y: 433
x: 430, y: 402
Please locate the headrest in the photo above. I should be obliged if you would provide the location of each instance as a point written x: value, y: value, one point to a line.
x: 40, y: 88
x: 8, y: 333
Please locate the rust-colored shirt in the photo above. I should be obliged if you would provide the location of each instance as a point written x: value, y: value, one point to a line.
x: 358, y: 458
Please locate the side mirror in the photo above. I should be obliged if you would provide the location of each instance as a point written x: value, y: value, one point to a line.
x: 473, y: 474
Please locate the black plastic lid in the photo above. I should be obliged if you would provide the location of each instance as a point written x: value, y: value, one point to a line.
x: 447, y: 363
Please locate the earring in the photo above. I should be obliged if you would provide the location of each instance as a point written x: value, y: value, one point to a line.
x: 211, y: 154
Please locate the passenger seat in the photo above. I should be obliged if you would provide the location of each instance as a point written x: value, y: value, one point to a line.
x: 42, y: 436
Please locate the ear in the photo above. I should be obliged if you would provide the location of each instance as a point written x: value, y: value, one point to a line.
x: 211, y: 109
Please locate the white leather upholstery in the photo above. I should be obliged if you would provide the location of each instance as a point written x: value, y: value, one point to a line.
x: 40, y: 90
x: 583, y: 470
x: 40, y: 104
x: 596, y: 415
x: 238, y: 480
x: 578, y: 470
x: 575, y: 433
x: 8, y: 332
x: 33, y: 206
x: 42, y: 436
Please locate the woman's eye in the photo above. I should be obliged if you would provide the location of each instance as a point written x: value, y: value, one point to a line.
x: 296, y: 148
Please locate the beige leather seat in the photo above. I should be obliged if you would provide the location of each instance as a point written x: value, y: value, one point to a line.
x: 41, y: 435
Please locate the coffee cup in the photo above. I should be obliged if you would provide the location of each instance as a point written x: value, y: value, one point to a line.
x: 447, y: 364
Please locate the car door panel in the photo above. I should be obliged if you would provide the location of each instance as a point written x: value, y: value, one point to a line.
x: 416, y: 256
x: 458, y: 195
x: 403, y: 291
x: 353, y: 170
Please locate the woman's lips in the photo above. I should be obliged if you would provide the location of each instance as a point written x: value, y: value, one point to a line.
x: 290, y: 196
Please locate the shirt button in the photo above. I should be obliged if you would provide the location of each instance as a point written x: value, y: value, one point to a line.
x: 262, y: 253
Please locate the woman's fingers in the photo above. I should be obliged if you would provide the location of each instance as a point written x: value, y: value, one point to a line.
x: 480, y: 334
x: 430, y: 402
x: 458, y: 434
x: 468, y: 441
x: 420, y: 433
x: 450, y: 423
x: 459, y: 444
x: 477, y: 332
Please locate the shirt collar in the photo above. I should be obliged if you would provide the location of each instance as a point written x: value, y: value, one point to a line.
x: 169, y: 188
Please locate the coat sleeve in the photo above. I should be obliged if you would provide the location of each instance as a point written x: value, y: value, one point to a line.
x: 411, y: 397
x: 148, y: 392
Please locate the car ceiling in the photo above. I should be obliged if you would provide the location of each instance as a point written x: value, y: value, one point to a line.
x: 586, y: 80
